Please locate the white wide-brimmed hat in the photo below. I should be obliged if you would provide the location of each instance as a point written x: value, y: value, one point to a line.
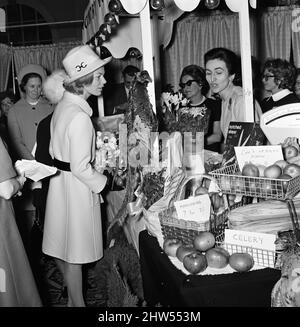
x: 82, y: 60
x: 32, y: 68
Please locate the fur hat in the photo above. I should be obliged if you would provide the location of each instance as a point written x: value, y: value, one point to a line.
x: 53, y: 88
x: 81, y: 61
x: 32, y: 68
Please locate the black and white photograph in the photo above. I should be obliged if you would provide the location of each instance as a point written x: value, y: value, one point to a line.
x: 149, y: 159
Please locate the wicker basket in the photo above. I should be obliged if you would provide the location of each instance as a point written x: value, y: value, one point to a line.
x: 186, y: 231
x: 231, y: 181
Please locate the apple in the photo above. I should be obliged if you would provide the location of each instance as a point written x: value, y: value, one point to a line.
x: 252, y: 186
x: 292, y: 169
x: 217, y: 257
x: 250, y: 169
x: 285, y: 183
x: 204, y: 241
x: 272, y: 171
x: 266, y: 187
x: 171, y: 245
x: 183, y: 250
x: 195, y: 262
x: 238, y: 184
x: 281, y: 163
x: 217, y: 201
x: 290, y: 151
x: 241, y: 262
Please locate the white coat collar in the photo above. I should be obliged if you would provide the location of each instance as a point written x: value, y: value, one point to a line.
x: 77, y: 99
x: 281, y: 94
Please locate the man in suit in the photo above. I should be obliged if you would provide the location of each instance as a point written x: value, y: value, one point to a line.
x: 116, y: 96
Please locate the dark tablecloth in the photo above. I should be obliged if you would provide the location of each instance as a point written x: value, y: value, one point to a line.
x: 165, y: 284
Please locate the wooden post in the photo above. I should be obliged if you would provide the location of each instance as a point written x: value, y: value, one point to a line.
x: 241, y: 6
x: 148, y: 51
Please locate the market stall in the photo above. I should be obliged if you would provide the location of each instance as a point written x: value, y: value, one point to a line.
x: 139, y: 33
x: 182, y: 211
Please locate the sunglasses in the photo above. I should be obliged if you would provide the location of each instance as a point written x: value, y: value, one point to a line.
x: 266, y: 77
x: 188, y: 83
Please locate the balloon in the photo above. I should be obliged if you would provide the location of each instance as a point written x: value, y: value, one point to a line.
x: 104, y: 52
x: 110, y: 19
x: 103, y: 29
x: 212, y: 4
x: 134, y: 53
x: 115, y: 6
x: 157, y: 4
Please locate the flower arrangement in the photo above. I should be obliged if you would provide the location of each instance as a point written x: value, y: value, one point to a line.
x: 107, y: 151
x: 172, y: 101
x: 180, y: 115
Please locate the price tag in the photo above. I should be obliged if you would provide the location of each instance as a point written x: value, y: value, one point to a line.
x: 258, y: 155
x: 194, y: 208
x: 262, y: 241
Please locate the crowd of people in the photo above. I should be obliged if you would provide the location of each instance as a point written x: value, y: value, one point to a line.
x: 51, y: 123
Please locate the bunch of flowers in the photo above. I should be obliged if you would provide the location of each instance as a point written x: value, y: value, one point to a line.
x: 180, y: 115
x: 172, y: 101
x: 107, y: 152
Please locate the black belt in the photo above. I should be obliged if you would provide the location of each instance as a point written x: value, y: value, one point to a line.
x: 61, y: 165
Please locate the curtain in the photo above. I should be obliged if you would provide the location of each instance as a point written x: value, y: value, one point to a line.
x: 49, y: 56
x: 195, y: 35
x: 296, y: 36
x: 5, y: 59
x: 276, y: 33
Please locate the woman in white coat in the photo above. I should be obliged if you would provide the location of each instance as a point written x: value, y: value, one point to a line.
x: 72, y: 230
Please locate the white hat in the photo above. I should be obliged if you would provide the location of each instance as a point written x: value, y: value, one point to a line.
x: 32, y: 68
x: 82, y: 60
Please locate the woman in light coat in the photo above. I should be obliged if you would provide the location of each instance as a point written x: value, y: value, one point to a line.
x: 72, y: 230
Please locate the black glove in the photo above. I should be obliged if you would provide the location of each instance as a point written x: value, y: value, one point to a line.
x: 37, y: 198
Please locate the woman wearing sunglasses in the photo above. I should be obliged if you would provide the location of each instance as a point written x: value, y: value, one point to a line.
x: 278, y: 79
x: 199, y: 113
x: 206, y: 111
x: 221, y: 68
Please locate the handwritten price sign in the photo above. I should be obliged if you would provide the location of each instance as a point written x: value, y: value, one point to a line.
x: 195, y: 208
x: 258, y: 155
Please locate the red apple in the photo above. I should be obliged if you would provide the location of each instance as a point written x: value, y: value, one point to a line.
x: 171, y: 245
x: 217, y: 257
x: 272, y: 171
x: 289, y: 152
x: 195, y: 262
x: 285, y: 183
x: 250, y: 169
x: 292, y: 169
x: 238, y: 184
x: 183, y: 250
x: 204, y: 241
x: 241, y: 262
x: 266, y: 187
x: 281, y: 163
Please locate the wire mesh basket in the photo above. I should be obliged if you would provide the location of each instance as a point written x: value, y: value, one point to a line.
x: 261, y: 257
x: 231, y: 181
x: 186, y: 231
